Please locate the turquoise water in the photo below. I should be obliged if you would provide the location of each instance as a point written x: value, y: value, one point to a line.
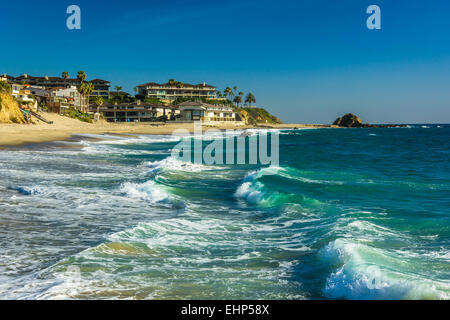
x: 348, y: 213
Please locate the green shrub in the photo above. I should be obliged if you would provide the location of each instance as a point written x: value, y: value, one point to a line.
x: 260, y: 115
x: 77, y: 114
x: 5, y: 87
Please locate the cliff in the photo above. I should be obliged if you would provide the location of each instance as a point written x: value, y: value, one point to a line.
x: 9, y: 110
x: 255, y: 116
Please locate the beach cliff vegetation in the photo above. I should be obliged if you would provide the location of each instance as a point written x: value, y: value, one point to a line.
x: 254, y: 116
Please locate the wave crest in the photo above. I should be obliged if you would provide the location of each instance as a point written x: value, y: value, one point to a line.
x: 257, y: 192
x: 149, y: 191
x: 365, y: 272
x: 174, y: 164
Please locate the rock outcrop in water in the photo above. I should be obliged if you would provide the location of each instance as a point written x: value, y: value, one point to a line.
x: 351, y: 121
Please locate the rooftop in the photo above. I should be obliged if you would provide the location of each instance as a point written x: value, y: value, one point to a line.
x: 204, y: 105
x: 44, y: 78
x: 168, y: 85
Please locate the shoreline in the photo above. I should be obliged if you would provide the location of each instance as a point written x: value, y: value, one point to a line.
x: 64, y: 128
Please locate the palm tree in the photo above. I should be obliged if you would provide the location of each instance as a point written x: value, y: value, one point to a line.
x: 118, y: 88
x: 81, y: 90
x: 98, y: 101
x: 65, y: 75
x: 89, y: 88
x: 250, y: 98
x: 241, y: 95
x: 81, y: 76
x: 235, y: 90
x: 228, y: 93
x: 237, y: 100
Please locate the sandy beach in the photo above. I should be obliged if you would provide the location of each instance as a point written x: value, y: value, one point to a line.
x: 63, y: 128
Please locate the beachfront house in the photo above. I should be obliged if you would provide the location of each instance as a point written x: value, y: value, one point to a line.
x: 173, y: 90
x: 71, y: 94
x: 23, y: 96
x: 208, y: 113
x: 136, y: 112
x: 101, y: 88
x: 56, y: 100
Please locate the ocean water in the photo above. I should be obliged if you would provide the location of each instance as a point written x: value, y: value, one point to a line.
x: 347, y: 214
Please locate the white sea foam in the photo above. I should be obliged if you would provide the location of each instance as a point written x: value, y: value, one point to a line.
x: 128, y: 139
x: 251, y: 189
x: 174, y: 164
x: 148, y: 191
x: 108, y: 143
x: 250, y: 192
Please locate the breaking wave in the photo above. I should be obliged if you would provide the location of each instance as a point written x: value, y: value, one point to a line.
x: 174, y: 164
x: 257, y: 192
x: 149, y: 191
x: 365, y: 272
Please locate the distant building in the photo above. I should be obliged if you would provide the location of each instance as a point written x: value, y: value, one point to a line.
x: 101, y: 87
x: 59, y: 105
x: 208, y: 113
x: 23, y: 96
x: 170, y: 91
x: 6, y: 77
x: 21, y: 93
x: 56, y: 100
x: 40, y: 92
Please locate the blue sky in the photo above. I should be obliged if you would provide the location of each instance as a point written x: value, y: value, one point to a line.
x: 305, y: 60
